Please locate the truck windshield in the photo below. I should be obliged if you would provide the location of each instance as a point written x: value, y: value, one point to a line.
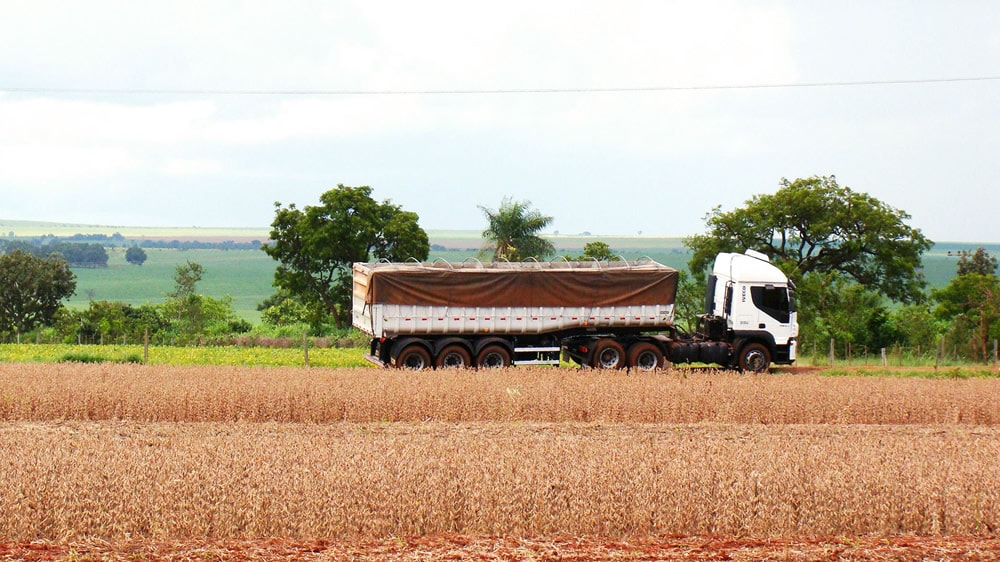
x: 773, y: 301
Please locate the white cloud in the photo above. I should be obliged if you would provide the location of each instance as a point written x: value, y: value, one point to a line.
x: 476, y: 148
x: 192, y: 167
x: 74, y: 121
x: 54, y: 162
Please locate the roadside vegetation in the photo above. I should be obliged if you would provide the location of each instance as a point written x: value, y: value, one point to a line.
x: 861, y: 275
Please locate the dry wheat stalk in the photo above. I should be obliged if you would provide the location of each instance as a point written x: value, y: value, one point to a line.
x: 116, y: 480
x: 37, y: 392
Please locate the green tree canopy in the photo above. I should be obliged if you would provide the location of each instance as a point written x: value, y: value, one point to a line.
x: 135, y: 255
x: 980, y: 262
x: 186, y: 278
x: 971, y: 302
x: 32, y: 289
x: 596, y: 250
x: 316, y: 246
x: 513, y: 232
x: 816, y: 225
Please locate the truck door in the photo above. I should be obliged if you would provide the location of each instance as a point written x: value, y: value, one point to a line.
x: 774, y: 308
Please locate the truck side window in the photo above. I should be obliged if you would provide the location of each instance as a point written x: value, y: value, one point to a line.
x: 773, y: 301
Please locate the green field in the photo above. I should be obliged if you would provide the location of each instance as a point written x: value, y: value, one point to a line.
x: 246, y: 275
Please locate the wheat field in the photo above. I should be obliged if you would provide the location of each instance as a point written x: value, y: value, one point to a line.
x: 96, y: 392
x: 119, y: 452
x: 161, y: 480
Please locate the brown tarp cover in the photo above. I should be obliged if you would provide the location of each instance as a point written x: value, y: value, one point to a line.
x: 519, y: 285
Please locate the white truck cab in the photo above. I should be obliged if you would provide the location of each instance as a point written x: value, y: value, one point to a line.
x: 755, y: 300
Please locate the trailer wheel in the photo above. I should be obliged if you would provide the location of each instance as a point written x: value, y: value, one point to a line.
x: 608, y: 354
x: 645, y: 356
x: 454, y: 356
x: 493, y: 356
x: 414, y: 357
x: 754, y: 357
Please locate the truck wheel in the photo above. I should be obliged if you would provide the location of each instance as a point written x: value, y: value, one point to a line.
x: 608, y: 354
x: 493, y: 357
x: 754, y: 357
x: 454, y: 356
x: 414, y: 357
x: 645, y: 356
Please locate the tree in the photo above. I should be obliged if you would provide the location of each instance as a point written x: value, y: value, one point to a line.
x: 599, y: 251
x: 31, y: 290
x: 972, y: 302
x: 977, y: 262
x: 284, y: 309
x: 843, y: 310
x: 186, y: 279
x: 596, y: 250
x: 815, y: 225
x: 81, y: 254
x: 185, y: 306
x: 135, y: 255
x: 512, y: 233
x: 317, y: 245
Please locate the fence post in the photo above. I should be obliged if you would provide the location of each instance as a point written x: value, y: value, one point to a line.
x: 995, y: 353
x: 937, y: 353
x: 305, y: 346
x: 145, y: 347
x: 884, y: 359
x: 832, y: 349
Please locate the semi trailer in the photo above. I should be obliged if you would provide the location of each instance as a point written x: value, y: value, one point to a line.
x: 604, y: 315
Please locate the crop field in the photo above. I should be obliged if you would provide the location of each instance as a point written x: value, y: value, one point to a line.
x: 149, y: 462
x: 244, y: 275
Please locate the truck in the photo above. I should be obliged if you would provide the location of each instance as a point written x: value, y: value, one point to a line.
x: 601, y: 315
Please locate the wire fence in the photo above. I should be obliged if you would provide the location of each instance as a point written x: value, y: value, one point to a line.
x: 942, y: 353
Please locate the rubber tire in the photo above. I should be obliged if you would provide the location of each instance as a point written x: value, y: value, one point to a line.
x: 755, y: 358
x: 645, y: 356
x: 494, y: 356
x: 608, y: 354
x: 453, y: 356
x: 414, y: 357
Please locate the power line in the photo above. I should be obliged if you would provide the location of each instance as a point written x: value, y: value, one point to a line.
x: 236, y: 92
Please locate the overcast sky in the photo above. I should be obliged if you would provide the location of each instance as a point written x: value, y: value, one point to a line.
x: 612, y: 117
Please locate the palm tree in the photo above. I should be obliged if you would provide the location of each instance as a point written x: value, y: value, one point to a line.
x: 513, y: 230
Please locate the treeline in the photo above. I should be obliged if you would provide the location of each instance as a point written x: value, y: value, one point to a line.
x: 76, y: 254
x: 192, y: 319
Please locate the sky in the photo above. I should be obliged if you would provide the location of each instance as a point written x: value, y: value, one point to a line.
x: 613, y: 117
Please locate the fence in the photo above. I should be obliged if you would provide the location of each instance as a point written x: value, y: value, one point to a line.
x: 940, y: 353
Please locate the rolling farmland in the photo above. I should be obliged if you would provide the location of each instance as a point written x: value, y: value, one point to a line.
x: 224, y: 461
x: 246, y: 275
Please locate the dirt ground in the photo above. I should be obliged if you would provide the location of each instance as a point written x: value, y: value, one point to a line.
x: 461, y: 547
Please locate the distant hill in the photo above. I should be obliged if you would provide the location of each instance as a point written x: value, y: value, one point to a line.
x: 451, y: 239
x: 206, y: 234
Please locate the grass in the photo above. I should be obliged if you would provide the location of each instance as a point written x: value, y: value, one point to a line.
x: 171, y: 355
